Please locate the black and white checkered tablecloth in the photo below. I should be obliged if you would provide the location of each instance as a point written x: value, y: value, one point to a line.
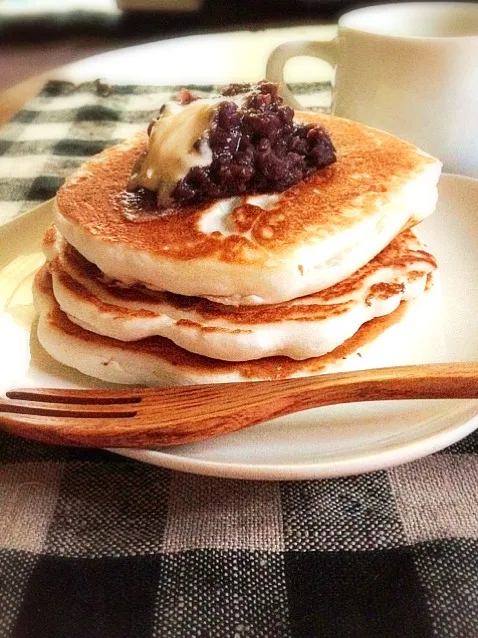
x: 93, y: 545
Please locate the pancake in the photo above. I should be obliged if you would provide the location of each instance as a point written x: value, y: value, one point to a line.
x: 258, y: 249
x: 299, y: 329
x: 158, y: 361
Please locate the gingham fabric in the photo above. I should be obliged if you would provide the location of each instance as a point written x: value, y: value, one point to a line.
x: 93, y: 545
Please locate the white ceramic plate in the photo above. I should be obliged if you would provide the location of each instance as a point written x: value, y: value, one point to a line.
x: 218, y: 58
x: 326, y: 442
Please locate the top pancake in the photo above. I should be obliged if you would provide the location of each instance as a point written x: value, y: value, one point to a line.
x: 257, y: 249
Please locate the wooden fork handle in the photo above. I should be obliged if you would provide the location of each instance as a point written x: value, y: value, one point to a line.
x: 431, y: 381
x: 172, y: 416
x: 235, y: 406
x: 256, y: 402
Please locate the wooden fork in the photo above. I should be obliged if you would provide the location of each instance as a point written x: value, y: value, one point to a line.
x: 152, y: 417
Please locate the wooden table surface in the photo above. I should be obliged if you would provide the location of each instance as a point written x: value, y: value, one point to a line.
x: 24, y: 68
x: 13, y: 99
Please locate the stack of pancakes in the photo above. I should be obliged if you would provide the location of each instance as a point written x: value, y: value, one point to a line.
x: 249, y: 287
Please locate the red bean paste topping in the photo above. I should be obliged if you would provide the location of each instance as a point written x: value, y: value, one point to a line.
x: 256, y: 147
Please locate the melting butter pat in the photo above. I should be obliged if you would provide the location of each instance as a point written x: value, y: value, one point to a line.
x: 172, y: 149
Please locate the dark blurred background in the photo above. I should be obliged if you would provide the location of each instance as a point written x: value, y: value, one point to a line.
x: 38, y: 35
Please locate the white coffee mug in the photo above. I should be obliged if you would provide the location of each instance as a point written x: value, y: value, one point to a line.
x: 410, y: 69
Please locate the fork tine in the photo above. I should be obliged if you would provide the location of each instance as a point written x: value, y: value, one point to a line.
x: 65, y: 431
x: 78, y: 410
x: 79, y: 397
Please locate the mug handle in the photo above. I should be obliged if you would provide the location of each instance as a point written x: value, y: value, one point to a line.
x: 325, y: 50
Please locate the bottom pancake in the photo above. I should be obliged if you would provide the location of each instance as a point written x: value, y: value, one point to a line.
x: 158, y: 361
